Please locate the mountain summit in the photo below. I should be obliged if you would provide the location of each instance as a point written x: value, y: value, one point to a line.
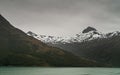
x: 88, y: 29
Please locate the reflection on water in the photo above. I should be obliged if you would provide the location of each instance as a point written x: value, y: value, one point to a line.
x: 58, y: 71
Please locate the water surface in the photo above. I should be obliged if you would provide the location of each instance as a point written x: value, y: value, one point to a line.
x: 58, y: 71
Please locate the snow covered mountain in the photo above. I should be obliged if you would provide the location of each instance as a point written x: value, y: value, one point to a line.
x: 90, y: 44
x: 87, y: 34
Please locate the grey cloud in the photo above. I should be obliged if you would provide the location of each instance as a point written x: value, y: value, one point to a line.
x: 63, y: 16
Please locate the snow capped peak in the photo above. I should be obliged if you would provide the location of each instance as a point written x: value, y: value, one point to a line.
x: 49, y: 39
x: 93, y: 34
x: 116, y: 33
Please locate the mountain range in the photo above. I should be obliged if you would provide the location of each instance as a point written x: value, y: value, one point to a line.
x: 90, y: 44
x: 87, y: 34
x: 19, y: 49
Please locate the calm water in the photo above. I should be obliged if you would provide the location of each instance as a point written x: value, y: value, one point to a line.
x: 58, y: 71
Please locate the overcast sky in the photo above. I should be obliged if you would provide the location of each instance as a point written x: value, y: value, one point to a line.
x: 62, y: 17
